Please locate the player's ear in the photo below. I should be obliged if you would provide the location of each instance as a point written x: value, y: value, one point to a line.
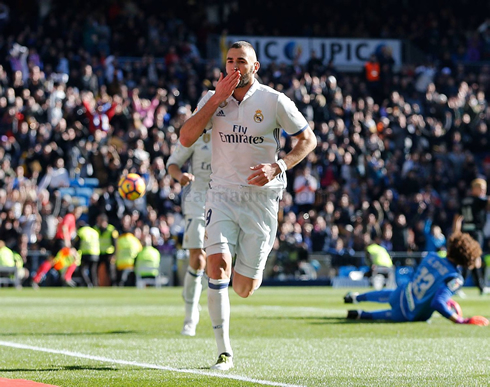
x: 256, y: 66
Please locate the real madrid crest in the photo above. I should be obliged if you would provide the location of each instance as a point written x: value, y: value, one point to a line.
x: 258, y: 117
x: 223, y: 104
x: 206, y: 137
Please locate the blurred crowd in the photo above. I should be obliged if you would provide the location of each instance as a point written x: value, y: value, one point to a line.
x: 395, y: 154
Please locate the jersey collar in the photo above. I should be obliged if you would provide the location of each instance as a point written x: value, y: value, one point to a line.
x: 255, y: 86
x: 248, y: 94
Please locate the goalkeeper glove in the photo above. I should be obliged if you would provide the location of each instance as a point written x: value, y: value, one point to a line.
x: 475, y: 320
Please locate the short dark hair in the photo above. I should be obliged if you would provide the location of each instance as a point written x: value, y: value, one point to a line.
x: 242, y: 44
x: 246, y: 45
x: 463, y: 249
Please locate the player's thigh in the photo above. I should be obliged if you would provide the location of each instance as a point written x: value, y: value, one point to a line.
x: 258, y: 227
x: 194, y: 232
x: 396, y: 301
x: 222, y: 229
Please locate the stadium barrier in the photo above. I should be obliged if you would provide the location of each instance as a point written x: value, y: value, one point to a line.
x: 9, y: 276
x: 329, y: 271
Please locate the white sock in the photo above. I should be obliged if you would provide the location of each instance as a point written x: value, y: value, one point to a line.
x: 219, y: 312
x: 192, y: 293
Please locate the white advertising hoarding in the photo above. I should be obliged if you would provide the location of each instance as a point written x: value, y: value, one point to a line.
x: 345, y: 52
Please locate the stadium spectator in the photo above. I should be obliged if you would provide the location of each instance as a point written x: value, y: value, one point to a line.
x: 305, y: 186
x: 372, y: 74
x: 430, y: 130
x: 56, y: 177
x: 434, y: 238
x: 98, y: 113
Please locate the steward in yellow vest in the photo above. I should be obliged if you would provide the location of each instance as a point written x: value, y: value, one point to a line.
x: 127, y: 248
x: 148, y: 260
x: 378, y: 255
x: 6, y: 256
x: 9, y: 258
x: 107, y: 240
x: 87, y: 243
x: 380, y: 263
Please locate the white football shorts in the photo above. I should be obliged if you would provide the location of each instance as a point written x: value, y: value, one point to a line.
x: 194, y: 232
x: 242, y: 221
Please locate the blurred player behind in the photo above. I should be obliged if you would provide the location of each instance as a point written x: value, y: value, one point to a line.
x: 195, y: 183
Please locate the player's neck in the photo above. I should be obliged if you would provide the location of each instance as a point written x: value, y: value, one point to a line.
x: 240, y: 92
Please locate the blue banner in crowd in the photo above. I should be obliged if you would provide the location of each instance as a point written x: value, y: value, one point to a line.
x: 345, y: 53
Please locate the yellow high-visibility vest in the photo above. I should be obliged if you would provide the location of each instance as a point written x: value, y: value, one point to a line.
x: 127, y: 248
x: 89, y: 241
x: 106, y: 239
x: 379, y: 255
x: 149, y: 257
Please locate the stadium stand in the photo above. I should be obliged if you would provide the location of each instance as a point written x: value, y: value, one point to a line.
x: 107, y: 88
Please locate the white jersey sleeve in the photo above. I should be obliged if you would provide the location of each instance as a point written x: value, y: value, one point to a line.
x: 289, y: 117
x: 180, y: 155
x: 199, y: 156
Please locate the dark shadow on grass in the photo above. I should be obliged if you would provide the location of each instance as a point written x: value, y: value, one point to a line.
x: 317, y: 320
x: 345, y: 321
x: 68, y: 333
x: 61, y: 368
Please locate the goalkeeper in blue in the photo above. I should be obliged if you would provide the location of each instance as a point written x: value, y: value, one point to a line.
x: 430, y: 289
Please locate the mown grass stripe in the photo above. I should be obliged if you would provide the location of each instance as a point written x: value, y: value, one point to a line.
x: 144, y: 365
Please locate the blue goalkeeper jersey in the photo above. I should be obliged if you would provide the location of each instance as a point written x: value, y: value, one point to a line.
x: 433, y: 283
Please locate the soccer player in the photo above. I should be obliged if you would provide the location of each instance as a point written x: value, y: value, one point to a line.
x: 431, y: 287
x: 474, y: 210
x: 247, y: 180
x: 195, y: 183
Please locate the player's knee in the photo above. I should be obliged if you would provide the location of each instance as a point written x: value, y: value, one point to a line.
x: 197, y: 259
x: 217, y: 267
x: 216, y: 272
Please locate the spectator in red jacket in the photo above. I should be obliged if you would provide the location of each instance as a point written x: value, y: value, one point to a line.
x: 98, y: 113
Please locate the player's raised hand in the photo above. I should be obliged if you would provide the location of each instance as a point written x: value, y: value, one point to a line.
x: 226, y: 85
x: 186, y: 179
x: 263, y: 173
x: 457, y: 223
x: 477, y: 320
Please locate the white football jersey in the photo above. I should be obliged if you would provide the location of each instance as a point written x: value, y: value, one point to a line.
x: 199, y: 156
x: 246, y: 134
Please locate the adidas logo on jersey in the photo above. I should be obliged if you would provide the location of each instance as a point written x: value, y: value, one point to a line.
x: 221, y: 113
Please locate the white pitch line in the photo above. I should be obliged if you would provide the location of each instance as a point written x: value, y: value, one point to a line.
x: 145, y: 365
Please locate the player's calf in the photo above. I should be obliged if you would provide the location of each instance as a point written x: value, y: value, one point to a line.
x: 354, y: 314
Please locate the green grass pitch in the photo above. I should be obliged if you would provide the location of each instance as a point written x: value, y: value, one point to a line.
x: 281, y: 336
